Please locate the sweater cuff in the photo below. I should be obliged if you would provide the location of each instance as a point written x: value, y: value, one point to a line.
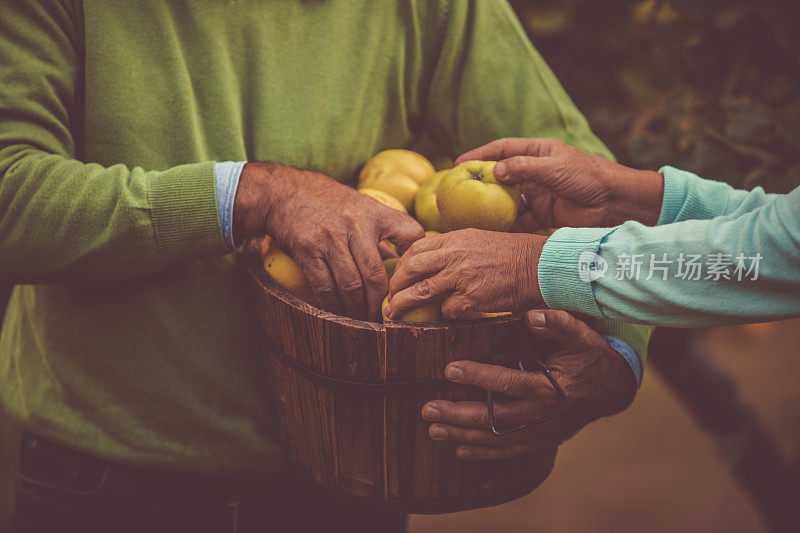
x: 568, y: 265
x: 184, y: 212
x: 637, y: 336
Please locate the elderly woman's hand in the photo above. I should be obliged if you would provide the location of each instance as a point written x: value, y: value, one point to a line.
x: 567, y: 187
x: 468, y: 270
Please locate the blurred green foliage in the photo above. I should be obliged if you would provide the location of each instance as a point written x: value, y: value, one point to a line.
x: 712, y: 86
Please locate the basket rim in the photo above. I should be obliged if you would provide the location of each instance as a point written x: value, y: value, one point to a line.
x: 266, y: 282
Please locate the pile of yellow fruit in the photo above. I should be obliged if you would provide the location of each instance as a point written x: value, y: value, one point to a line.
x: 467, y: 196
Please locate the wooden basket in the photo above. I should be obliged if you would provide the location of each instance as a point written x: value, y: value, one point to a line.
x: 349, y: 393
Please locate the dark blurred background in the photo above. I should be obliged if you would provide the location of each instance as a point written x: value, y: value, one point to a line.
x: 711, y: 86
x: 707, y: 85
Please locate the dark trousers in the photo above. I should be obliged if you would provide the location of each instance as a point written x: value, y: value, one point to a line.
x: 62, y: 491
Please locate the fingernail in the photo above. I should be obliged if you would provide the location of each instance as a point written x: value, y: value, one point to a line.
x: 537, y: 319
x: 432, y: 414
x: 464, y: 453
x: 453, y: 373
x: 500, y: 170
x: 439, y: 432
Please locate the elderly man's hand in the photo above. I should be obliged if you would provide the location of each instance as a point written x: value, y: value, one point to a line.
x: 567, y: 187
x: 330, y: 229
x: 594, y: 376
x: 468, y: 270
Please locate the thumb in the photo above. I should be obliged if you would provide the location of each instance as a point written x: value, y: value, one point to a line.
x: 558, y: 326
x: 524, y: 168
x: 400, y: 229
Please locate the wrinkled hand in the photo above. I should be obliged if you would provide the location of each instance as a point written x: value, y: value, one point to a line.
x: 469, y: 270
x: 594, y: 376
x: 330, y: 229
x: 567, y: 187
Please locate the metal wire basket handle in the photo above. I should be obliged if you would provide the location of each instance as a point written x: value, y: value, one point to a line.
x: 562, y: 411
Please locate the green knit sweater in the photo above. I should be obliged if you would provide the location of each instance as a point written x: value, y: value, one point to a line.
x: 130, y: 333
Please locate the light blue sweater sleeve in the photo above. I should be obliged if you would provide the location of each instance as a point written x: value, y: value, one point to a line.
x: 722, y: 256
x: 689, y: 197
